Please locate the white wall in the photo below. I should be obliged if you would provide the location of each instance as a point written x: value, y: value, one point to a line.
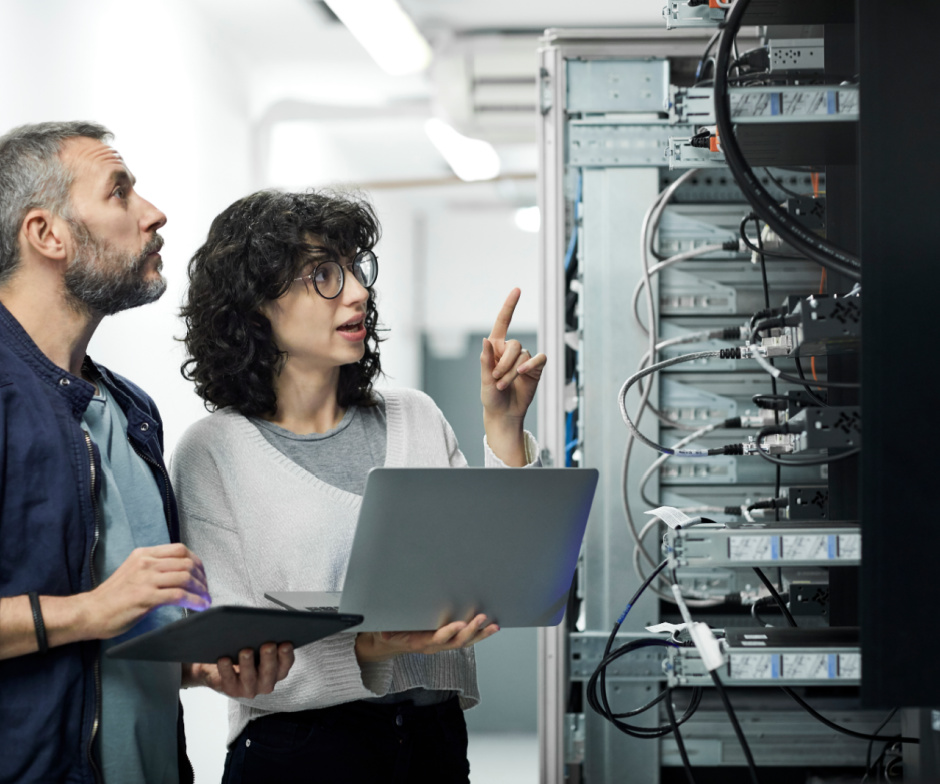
x: 180, y: 111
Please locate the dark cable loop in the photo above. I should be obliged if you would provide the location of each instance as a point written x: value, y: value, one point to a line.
x: 788, y: 229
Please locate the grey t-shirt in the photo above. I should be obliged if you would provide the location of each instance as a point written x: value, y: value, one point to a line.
x: 342, y: 457
x: 139, y: 700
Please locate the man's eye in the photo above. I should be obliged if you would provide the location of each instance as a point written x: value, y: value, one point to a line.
x: 120, y: 192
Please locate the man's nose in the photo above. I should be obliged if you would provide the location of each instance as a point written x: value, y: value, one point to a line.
x: 152, y: 218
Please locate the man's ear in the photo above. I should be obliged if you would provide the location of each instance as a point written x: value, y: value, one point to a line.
x: 46, y: 233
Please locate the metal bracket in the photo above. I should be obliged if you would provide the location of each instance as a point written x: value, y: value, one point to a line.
x: 587, y: 650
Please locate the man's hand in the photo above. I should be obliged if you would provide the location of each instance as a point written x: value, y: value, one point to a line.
x: 245, y: 679
x: 381, y: 646
x: 150, y: 577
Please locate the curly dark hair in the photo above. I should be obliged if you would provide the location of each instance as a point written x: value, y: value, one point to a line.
x: 255, y: 249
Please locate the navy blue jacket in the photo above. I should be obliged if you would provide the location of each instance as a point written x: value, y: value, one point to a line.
x: 49, y: 526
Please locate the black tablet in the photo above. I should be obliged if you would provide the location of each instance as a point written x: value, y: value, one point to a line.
x: 224, y: 631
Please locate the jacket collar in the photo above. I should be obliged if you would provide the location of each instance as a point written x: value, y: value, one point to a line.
x: 74, y: 389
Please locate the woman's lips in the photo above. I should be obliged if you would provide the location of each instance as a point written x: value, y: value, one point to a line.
x: 353, y: 330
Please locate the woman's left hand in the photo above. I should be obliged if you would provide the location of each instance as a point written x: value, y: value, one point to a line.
x: 509, y: 376
x: 247, y: 678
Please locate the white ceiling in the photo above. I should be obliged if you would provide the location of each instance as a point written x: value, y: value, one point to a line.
x: 306, y: 78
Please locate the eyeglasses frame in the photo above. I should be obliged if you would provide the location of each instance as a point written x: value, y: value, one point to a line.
x: 357, y: 259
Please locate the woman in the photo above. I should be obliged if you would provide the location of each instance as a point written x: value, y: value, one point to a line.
x: 281, y: 331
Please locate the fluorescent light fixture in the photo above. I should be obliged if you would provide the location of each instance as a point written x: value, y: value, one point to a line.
x: 528, y: 219
x: 386, y: 32
x: 471, y: 159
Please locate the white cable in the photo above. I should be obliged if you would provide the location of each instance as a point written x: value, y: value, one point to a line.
x: 661, y: 265
x: 666, y: 595
x: 663, y: 458
x: 645, y: 372
x: 651, y: 218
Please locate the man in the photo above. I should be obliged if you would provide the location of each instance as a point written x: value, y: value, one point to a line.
x: 89, y: 534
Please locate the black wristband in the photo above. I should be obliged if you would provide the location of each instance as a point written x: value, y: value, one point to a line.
x: 38, y: 622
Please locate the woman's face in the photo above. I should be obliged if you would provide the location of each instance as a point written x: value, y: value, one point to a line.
x: 320, y: 334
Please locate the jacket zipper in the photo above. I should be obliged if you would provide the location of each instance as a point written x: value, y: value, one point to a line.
x: 94, y: 584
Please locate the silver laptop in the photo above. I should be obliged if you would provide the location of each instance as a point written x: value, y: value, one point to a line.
x: 436, y: 545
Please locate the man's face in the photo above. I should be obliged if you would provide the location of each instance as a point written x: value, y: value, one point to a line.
x: 115, y: 262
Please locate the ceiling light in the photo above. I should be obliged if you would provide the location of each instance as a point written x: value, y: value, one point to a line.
x: 471, y: 159
x: 528, y: 219
x: 386, y: 32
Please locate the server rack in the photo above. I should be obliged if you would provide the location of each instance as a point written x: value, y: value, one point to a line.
x: 603, y: 153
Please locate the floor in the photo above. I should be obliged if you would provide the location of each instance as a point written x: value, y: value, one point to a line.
x: 504, y: 758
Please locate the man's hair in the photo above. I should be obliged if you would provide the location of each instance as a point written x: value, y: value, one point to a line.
x: 254, y: 251
x: 33, y: 175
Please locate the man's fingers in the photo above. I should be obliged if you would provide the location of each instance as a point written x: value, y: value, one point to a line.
x: 501, y: 325
x: 169, y: 551
x: 181, y: 583
x: 180, y: 597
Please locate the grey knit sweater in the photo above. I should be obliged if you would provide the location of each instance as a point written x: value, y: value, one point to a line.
x: 262, y: 523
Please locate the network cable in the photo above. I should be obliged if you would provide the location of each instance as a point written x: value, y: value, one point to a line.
x: 803, y: 240
x: 785, y: 321
x: 722, y: 353
x: 711, y: 657
x: 694, y: 253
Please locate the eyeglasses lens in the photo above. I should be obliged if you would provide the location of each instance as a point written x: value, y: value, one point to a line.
x: 328, y: 278
x: 366, y: 268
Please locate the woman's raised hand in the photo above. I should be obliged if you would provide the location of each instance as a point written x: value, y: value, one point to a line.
x: 509, y: 376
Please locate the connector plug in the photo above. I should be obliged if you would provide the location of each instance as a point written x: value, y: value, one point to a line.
x: 774, y: 444
x: 764, y: 419
x: 707, y: 645
x: 776, y: 345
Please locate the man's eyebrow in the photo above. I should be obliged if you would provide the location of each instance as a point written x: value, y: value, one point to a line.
x: 123, y: 177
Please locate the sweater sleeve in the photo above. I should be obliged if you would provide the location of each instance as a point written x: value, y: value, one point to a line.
x: 212, y: 525
x: 532, y: 455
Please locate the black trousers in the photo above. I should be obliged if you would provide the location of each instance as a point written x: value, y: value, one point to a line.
x: 352, y: 743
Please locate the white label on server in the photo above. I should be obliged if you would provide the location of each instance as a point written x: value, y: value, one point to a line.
x: 806, y: 666
x: 803, y: 547
x: 754, y: 666
x: 850, y: 665
x: 850, y: 547
x: 753, y: 548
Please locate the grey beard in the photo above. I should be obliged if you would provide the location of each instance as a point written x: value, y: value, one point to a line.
x: 103, y: 281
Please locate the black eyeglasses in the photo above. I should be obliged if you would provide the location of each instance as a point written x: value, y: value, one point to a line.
x: 328, y: 276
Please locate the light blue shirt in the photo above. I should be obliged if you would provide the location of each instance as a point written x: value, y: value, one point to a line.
x: 137, y: 738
